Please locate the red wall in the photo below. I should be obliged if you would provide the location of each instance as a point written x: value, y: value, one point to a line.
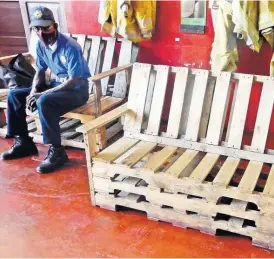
x: 192, y: 50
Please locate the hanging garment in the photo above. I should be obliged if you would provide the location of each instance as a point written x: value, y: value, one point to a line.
x: 245, y: 17
x: 133, y: 20
x: 266, y: 25
x: 107, y: 16
x: 224, y: 54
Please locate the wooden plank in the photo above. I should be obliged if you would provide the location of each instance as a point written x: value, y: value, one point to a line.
x: 110, y: 72
x: 207, y: 107
x: 240, y: 111
x: 181, y: 163
x: 142, y: 148
x: 177, y: 103
x: 81, y: 38
x: 263, y: 117
x: 197, y: 101
x: 137, y: 96
x: 117, y: 149
x: 269, y: 186
x: 150, y: 92
x: 232, y: 108
x: 110, y: 45
x: 160, y: 158
x: 87, y: 49
x: 134, y: 53
x: 94, y: 54
x: 120, y: 83
x: 158, y: 101
x: 104, y: 119
x: 251, y: 176
x: 203, y: 169
x: 227, y: 171
x: 219, y: 108
x: 187, y: 103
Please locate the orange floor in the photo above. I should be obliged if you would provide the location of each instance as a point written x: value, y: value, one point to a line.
x: 51, y: 216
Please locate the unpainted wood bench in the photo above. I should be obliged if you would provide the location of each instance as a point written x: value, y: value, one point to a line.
x: 193, y: 170
x: 107, y: 56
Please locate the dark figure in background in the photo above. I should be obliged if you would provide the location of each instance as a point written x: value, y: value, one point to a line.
x: 64, y: 57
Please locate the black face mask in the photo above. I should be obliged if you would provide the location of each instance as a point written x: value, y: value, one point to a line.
x: 49, y: 38
x: 47, y: 35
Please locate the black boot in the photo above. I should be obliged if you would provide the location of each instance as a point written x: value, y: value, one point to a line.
x: 23, y: 146
x: 56, y: 157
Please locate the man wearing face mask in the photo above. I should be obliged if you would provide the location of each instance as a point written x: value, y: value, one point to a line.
x: 63, y: 56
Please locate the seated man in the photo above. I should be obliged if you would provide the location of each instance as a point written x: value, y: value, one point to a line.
x: 63, y: 56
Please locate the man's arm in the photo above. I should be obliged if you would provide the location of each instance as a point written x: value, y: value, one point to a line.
x: 70, y: 83
x: 38, y: 82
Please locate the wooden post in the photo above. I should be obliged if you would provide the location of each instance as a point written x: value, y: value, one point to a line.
x: 91, y: 150
x: 101, y: 132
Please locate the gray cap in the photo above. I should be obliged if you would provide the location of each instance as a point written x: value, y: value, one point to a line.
x: 41, y: 16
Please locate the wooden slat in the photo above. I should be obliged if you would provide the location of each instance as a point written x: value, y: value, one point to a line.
x: 87, y: 49
x: 181, y: 163
x: 204, y: 168
x: 81, y: 38
x: 207, y: 107
x: 107, y: 62
x: 120, y: 83
x: 195, y: 112
x: 240, y: 111
x: 218, y: 109
x: 137, y: 96
x: 177, y: 103
x: 115, y: 150
x: 104, y: 119
x: 158, y: 101
x: 150, y: 91
x: 263, y: 117
x: 142, y: 148
x: 110, y: 72
x: 227, y: 171
x: 269, y: 186
x: 94, y: 54
x: 187, y: 103
x: 107, y: 102
x: 250, y: 178
x: 160, y: 158
x: 204, y: 147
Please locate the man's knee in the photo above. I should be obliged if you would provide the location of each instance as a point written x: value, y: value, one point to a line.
x: 42, y: 102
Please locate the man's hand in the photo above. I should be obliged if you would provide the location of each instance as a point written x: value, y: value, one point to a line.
x: 31, y: 99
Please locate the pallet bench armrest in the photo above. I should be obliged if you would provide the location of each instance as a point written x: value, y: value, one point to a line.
x: 111, y: 72
x: 104, y: 119
x: 7, y: 59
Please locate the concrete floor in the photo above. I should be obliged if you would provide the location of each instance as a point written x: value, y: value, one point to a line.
x: 51, y: 216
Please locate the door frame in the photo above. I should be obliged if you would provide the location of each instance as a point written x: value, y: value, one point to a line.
x: 25, y: 15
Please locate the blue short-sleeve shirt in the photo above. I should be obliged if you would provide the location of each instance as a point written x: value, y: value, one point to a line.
x: 65, y: 61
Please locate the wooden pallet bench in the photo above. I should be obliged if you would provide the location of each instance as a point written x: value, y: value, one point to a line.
x: 105, y: 56
x: 195, y: 170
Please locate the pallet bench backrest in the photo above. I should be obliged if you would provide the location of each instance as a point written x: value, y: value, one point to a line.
x: 198, y: 110
x: 104, y: 53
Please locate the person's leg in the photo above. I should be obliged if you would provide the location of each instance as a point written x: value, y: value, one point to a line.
x: 16, y: 112
x: 50, y: 107
x: 17, y: 125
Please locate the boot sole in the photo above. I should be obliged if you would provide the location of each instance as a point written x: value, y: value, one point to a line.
x: 14, y: 158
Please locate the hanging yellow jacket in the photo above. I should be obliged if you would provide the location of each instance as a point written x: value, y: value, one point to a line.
x: 224, y: 54
x: 107, y: 16
x: 137, y: 23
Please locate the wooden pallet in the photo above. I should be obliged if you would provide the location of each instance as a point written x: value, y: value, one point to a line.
x: 201, y: 153
x: 182, y: 210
